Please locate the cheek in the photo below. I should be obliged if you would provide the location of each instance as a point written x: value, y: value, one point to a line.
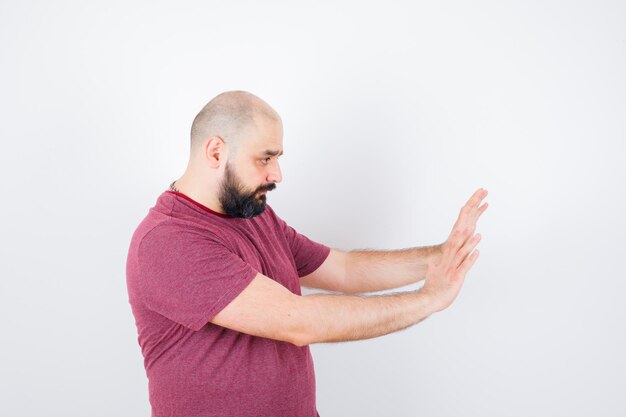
x: 259, y: 173
x: 254, y: 177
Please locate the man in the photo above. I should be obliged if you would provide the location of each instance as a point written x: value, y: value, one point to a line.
x: 214, y: 278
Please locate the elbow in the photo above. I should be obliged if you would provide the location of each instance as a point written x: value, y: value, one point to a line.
x: 298, y: 342
x: 303, y: 340
x: 302, y: 323
x: 301, y: 337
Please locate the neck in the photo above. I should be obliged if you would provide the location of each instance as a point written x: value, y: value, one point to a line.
x: 205, y: 195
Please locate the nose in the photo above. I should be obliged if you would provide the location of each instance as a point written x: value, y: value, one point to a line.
x: 274, y: 174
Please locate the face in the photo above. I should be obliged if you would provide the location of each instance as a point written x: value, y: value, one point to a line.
x: 253, y: 173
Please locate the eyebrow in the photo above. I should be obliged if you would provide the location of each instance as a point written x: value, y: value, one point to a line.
x: 272, y: 152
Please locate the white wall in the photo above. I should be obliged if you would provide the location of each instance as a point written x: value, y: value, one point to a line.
x: 394, y: 113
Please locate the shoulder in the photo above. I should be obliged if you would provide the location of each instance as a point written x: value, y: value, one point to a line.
x: 179, y: 236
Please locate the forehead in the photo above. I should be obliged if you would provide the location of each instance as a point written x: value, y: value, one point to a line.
x: 266, y: 138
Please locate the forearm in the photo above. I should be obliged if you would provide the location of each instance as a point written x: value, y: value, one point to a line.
x: 339, y: 318
x: 377, y: 270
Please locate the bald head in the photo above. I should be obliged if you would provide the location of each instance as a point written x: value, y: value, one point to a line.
x: 230, y: 115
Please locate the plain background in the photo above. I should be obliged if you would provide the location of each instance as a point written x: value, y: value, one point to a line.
x: 394, y: 114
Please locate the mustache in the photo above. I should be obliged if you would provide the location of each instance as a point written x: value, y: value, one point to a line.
x: 268, y: 187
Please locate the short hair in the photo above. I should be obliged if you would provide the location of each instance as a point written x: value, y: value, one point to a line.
x: 229, y: 115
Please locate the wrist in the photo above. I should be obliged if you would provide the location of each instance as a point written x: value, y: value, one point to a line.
x: 435, y: 254
x: 428, y: 301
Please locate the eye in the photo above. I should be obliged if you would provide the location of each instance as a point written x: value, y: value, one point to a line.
x: 265, y: 160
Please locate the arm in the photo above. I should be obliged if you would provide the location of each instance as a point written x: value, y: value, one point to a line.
x: 361, y: 271
x: 376, y: 270
x: 267, y: 309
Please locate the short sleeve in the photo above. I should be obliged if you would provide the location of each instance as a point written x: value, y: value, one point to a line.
x: 308, y: 254
x: 187, y: 277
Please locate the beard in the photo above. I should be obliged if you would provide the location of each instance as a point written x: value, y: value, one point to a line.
x: 236, y: 201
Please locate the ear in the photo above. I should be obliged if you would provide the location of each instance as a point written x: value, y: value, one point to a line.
x: 215, y: 151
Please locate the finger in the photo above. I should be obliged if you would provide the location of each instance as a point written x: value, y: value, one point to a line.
x: 477, y: 212
x: 481, y: 210
x: 470, y: 211
x: 466, y: 221
x: 468, y: 262
x: 467, y: 248
x: 463, y: 230
x: 452, y: 246
x: 476, y: 198
x: 465, y: 224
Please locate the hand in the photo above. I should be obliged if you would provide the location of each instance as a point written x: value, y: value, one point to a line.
x: 445, y: 275
x: 466, y: 222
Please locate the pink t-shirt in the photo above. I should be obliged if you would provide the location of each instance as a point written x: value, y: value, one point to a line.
x: 187, y: 262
